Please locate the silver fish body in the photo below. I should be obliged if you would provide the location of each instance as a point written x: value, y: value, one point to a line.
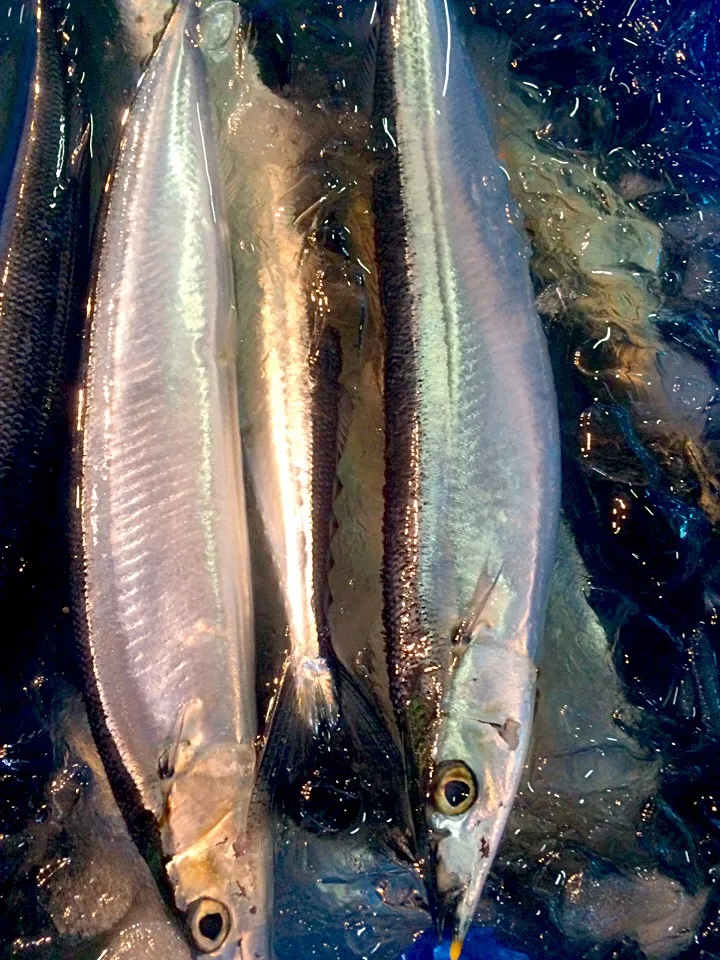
x: 279, y: 401
x: 280, y: 339
x: 324, y: 736
x: 166, y: 582
x: 472, y: 456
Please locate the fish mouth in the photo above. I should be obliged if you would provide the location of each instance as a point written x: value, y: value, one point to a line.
x: 445, y: 913
x: 444, y: 889
x: 452, y: 927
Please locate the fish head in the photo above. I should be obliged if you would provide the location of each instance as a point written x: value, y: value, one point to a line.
x: 480, y: 751
x: 220, y: 886
x: 221, y: 854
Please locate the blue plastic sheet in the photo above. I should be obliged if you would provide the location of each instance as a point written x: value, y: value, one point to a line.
x: 480, y: 944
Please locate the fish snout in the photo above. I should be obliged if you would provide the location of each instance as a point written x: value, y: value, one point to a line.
x: 447, y: 911
x: 453, y: 880
x: 450, y: 920
x: 445, y: 888
x: 454, y: 922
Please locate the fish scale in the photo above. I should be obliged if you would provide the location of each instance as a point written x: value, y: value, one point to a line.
x: 166, y: 604
x: 41, y: 227
x: 472, y: 453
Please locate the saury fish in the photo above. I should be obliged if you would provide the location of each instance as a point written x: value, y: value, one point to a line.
x: 41, y: 228
x: 289, y: 373
x: 166, y: 586
x: 472, y: 477
x: 276, y: 389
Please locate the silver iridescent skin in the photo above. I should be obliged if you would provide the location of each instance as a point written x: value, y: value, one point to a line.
x: 472, y: 482
x: 279, y: 334
x: 166, y: 581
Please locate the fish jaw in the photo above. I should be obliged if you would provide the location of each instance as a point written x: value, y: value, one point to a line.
x: 488, y: 724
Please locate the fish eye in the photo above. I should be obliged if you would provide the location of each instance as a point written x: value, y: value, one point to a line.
x: 454, y: 789
x: 209, y: 923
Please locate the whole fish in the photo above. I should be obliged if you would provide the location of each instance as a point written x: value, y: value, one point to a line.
x: 166, y: 602
x: 290, y: 363
x: 472, y: 472
x: 42, y: 225
x: 279, y: 341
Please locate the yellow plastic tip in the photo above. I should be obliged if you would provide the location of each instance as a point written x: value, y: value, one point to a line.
x: 456, y: 949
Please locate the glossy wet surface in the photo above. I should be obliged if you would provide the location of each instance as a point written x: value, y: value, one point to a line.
x: 608, y: 118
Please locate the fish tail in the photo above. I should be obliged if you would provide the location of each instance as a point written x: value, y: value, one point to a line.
x: 365, y: 732
x: 301, y: 721
x: 316, y: 696
x: 326, y: 734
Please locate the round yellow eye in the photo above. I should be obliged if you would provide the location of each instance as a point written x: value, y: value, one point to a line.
x: 454, y: 789
x: 209, y: 924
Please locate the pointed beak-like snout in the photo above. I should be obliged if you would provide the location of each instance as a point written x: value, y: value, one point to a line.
x: 449, y: 918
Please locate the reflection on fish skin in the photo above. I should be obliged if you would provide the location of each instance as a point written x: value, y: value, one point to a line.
x: 143, y: 937
x: 276, y: 328
x: 472, y: 483
x: 41, y: 228
x: 167, y: 610
x: 91, y: 880
x: 322, y: 720
x: 260, y: 135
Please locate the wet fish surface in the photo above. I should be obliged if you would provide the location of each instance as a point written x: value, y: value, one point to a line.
x: 289, y: 375
x: 166, y: 605
x: 286, y: 465
x: 472, y: 471
x: 113, y: 41
x: 275, y: 379
x: 42, y: 228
